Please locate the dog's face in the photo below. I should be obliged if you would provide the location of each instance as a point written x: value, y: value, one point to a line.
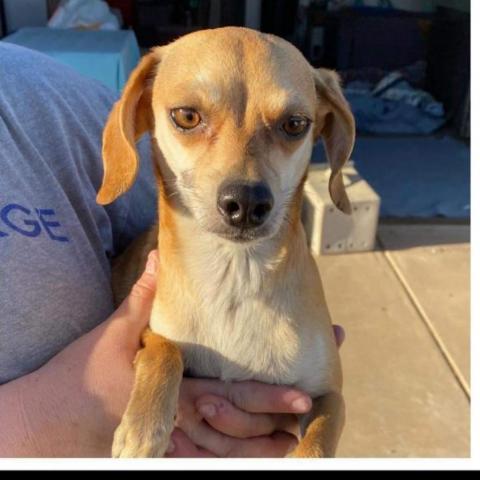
x: 235, y: 114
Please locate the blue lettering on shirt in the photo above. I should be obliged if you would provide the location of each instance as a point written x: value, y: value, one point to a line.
x: 5, y: 217
x: 49, y: 225
x: 27, y: 225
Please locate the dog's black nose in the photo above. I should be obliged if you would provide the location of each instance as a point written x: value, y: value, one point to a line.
x: 245, y: 205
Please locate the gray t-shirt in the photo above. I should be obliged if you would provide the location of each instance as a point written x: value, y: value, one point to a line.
x: 55, y: 241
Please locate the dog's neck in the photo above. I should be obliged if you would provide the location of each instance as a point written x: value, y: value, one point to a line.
x: 209, y: 262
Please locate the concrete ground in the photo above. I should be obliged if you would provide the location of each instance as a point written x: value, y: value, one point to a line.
x: 406, y: 360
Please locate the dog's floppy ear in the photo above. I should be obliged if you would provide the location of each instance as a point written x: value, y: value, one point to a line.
x: 335, y: 124
x: 130, y: 117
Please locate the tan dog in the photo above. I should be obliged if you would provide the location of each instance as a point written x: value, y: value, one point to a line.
x: 233, y: 114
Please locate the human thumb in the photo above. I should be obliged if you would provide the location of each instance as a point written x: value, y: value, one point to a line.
x: 137, y: 306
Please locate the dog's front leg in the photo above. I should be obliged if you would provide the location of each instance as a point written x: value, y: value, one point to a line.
x: 324, y: 425
x: 148, y: 421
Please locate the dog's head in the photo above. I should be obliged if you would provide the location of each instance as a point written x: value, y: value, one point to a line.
x: 235, y: 114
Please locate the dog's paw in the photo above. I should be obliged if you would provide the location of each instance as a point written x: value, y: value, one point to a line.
x: 134, y: 439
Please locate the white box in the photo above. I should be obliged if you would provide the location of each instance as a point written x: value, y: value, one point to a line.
x: 328, y: 229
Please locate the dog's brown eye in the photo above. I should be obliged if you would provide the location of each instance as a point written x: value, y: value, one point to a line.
x: 186, y: 118
x: 295, y: 125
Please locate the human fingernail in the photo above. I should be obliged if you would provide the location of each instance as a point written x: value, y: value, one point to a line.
x: 171, y: 447
x: 301, y: 405
x: 151, y: 266
x: 208, y: 410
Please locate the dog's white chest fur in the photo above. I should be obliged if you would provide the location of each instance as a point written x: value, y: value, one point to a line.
x: 238, y: 326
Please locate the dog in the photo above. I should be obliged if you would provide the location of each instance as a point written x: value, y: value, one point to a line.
x: 233, y: 115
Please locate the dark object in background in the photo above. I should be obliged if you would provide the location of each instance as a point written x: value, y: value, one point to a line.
x: 232, y: 13
x: 23, y: 13
x: 387, y: 40
x: 52, y: 5
x: 448, y: 72
x: 152, y: 19
x: 126, y: 8
x: 279, y: 17
x: 414, y: 74
x: 157, y: 22
x: 463, y: 118
x: 2, y: 20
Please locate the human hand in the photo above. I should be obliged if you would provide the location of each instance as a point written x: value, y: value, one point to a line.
x: 243, y: 419
x: 240, y: 419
